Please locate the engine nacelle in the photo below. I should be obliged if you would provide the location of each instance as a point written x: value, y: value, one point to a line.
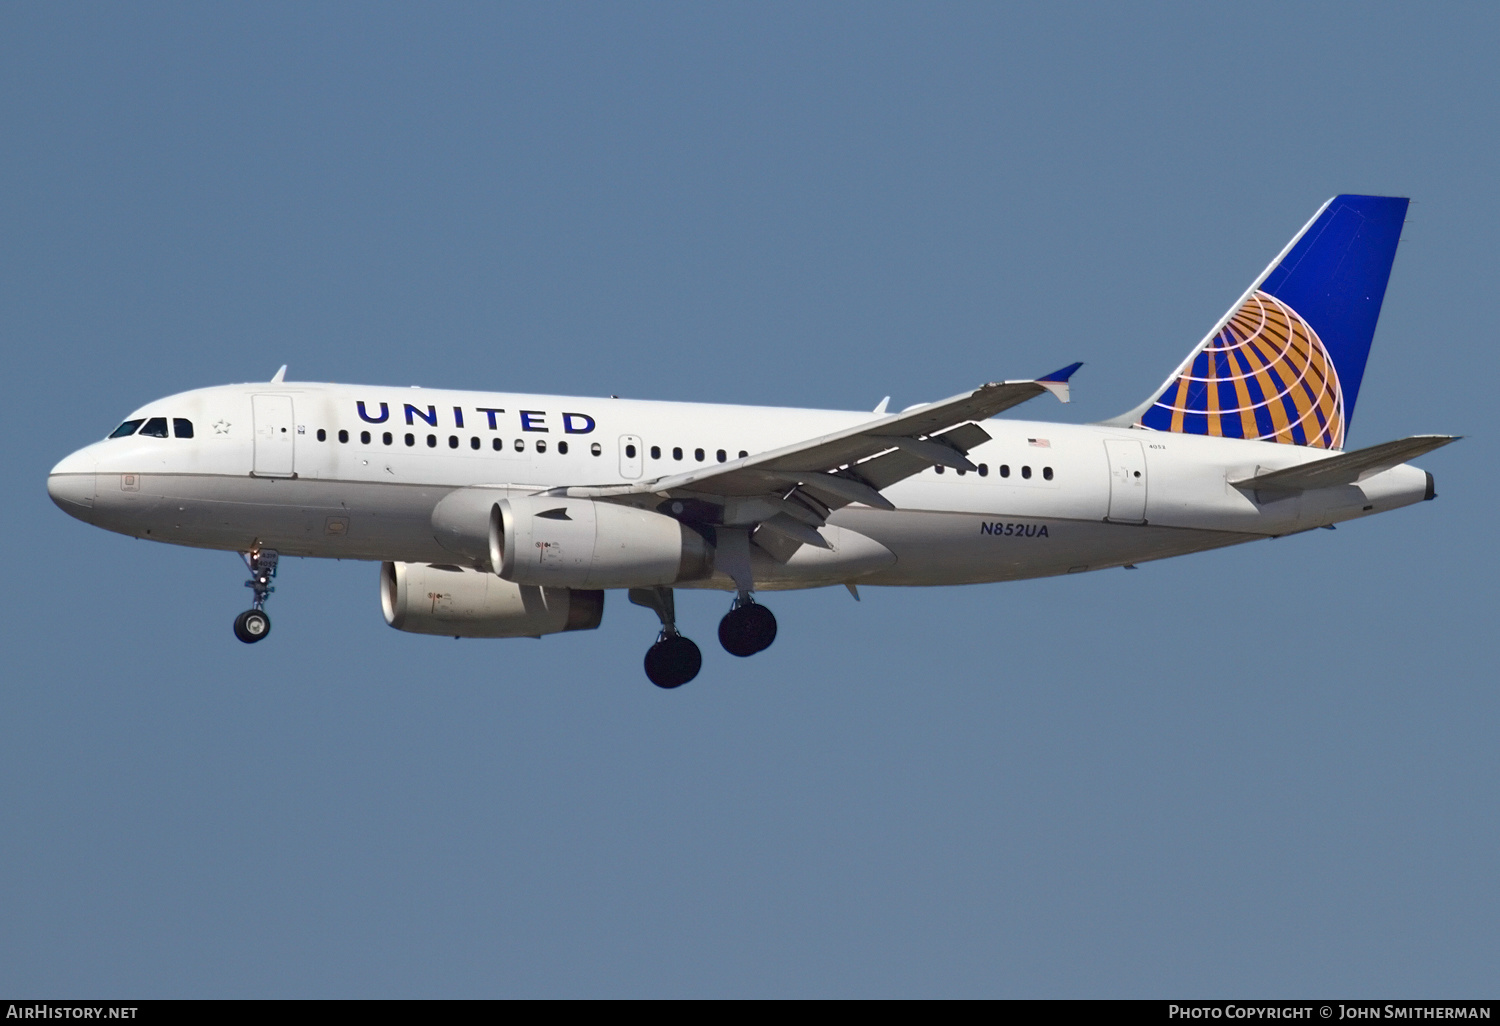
x: 579, y: 543
x: 472, y: 604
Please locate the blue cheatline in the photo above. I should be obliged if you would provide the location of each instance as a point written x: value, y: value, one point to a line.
x: 1285, y: 365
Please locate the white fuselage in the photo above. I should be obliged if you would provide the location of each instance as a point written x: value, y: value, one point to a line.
x: 266, y: 468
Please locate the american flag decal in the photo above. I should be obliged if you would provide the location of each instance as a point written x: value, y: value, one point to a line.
x: 1040, y: 443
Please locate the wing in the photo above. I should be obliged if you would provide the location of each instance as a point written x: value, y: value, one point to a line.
x: 792, y: 490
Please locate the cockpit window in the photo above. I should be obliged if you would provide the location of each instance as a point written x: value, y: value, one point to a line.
x: 156, y: 427
x: 127, y: 428
x: 182, y: 428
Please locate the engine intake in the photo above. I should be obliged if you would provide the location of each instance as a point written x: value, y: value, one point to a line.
x: 464, y: 603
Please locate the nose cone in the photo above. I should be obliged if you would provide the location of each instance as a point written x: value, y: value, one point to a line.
x: 71, y: 485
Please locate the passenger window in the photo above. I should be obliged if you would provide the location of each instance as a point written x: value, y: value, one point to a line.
x: 432, y: 441
x: 984, y: 470
x: 453, y: 441
x: 497, y: 445
x: 598, y: 449
x: 182, y: 428
x: 676, y: 451
x: 656, y: 452
x: 938, y: 469
x: 630, y: 452
x: 343, y: 435
x: 541, y: 445
x: 156, y: 427
x: 364, y: 438
x: 474, y: 442
x: 743, y: 454
x: 961, y: 471
x: 698, y: 455
x: 722, y: 455
x: 520, y: 445
x: 562, y: 448
x: 411, y: 439
x: 1047, y: 473
x: 1026, y: 473
x: 386, y: 438
x: 125, y: 429
x: 322, y: 435
x: 1005, y: 470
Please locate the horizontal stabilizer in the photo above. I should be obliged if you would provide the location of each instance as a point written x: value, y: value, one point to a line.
x: 1345, y: 468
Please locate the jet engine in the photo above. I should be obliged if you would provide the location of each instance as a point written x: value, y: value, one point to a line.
x: 579, y: 543
x: 456, y: 602
x: 568, y: 543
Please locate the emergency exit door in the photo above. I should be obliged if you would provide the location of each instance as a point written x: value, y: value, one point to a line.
x: 632, y: 459
x: 275, y: 454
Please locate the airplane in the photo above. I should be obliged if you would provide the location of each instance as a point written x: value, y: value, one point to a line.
x: 499, y: 515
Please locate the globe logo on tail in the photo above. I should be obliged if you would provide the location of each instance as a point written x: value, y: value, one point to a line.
x: 1266, y: 375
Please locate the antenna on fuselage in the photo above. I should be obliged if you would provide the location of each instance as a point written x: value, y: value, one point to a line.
x: 279, y: 376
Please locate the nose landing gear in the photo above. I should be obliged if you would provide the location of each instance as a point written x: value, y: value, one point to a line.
x: 747, y: 628
x: 673, y: 660
x: 253, y: 624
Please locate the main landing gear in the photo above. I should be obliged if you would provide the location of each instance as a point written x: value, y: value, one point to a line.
x: 673, y: 660
x: 253, y: 624
x: 747, y: 628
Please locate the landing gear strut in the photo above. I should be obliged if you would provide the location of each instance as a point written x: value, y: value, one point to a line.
x: 673, y: 660
x: 747, y: 628
x: 253, y: 624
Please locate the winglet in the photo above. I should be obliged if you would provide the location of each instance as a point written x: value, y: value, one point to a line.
x: 1057, y: 381
x: 883, y: 404
x: 1064, y: 374
x: 279, y: 376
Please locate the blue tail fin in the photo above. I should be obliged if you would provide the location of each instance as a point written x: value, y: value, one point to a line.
x: 1285, y: 363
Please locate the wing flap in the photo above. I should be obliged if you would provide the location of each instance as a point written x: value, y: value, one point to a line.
x: 898, y: 464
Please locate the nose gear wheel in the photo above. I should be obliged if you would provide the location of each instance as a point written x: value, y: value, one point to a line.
x: 251, y: 626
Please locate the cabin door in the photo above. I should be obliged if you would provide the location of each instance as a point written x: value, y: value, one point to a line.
x: 1127, y: 481
x: 274, y: 436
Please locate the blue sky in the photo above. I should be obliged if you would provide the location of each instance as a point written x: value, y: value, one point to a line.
x: 1265, y: 771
